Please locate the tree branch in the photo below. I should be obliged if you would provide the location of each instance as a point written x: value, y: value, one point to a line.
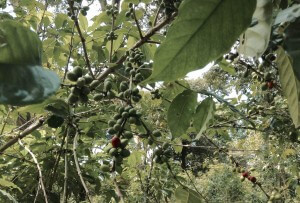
x: 78, y: 167
x: 38, y: 167
x: 87, y: 61
x: 23, y: 134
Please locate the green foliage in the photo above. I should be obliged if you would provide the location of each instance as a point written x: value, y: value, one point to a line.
x: 201, y: 25
x: 106, y: 136
x: 290, y: 84
x: 203, y: 115
x: 184, y: 195
x: 23, y: 81
x: 181, y: 111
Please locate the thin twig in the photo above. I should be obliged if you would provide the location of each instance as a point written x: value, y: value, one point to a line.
x: 118, y: 191
x: 78, y: 167
x: 38, y: 167
x: 42, y: 18
x: 70, y: 53
x: 87, y: 61
x: 112, y: 37
x: 64, y: 199
x: 137, y: 24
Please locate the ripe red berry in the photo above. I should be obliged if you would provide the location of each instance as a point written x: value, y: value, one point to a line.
x: 270, y: 84
x: 252, y: 179
x: 115, y: 142
x: 245, y: 174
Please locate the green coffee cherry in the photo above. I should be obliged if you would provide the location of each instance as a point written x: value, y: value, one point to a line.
x: 94, y: 84
x: 88, y: 79
x: 78, y: 71
x: 111, y: 123
x: 80, y: 82
x: 128, y: 134
x: 85, y: 90
x: 75, y: 91
x: 72, y: 99
x: 156, y: 133
x: 98, y: 97
x: 105, y: 168
x: 125, y: 153
x: 72, y: 76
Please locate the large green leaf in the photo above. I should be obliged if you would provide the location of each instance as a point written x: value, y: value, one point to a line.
x: 255, y: 40
x: 292, y: 45
x: 290, y: 84
x: 181, y: 111
x: 202, y: 32
x: 22, y: 79
x: 185, y: 195
x: 204, y: 113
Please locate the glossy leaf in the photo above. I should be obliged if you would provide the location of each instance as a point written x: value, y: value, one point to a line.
x: 292, y: 45
x: 255, y: 40
x: 181, y: 111
x: 203, y: 115
x: 202, y: 32
x: 22, y: 79
x: 185, y: 195
x: 290, y: 85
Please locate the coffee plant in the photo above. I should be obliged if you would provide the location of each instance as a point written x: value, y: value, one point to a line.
x: 96, y: 105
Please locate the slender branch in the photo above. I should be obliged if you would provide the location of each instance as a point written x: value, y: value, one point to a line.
x: 43, y: 15
x: 137, y: 24
x: 156, y: 15
x: 70, y: 53
x: 23, y: 134
x: 139, y: 43
x: 64, y: 199
x: 118, y: 191
x: 78, y: 167
x: 38, y: 167
x: 37, y: 192
x: 87, y: 61
x: 153, y: 42
x: 112, y: 29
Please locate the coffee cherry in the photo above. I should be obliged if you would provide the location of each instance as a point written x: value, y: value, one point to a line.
x: 98, y: 97
x: 132, y: 120
x: 105, y: 168
x: 75, y: 91
x: 113, y: 152
x: 94, y: 84
x: 270, y: 84
x: 156, y: 133
x: 83, y: 98
x: 80, y: 82
x: 78, y: 71
x: 125, y: 153
x: 120, y: 121
x: 132, y: 112
x: 88, y: 79
x: 125, y: 115
x: 128, y: 134
x: 117, y: 127
x: 85, y: 90
x: 116, y: 142
x: 245, y: 174
x: 135, y: 91
x: 72, y: 76
x: 107, y: 85
x: 111, y: 123
x: 252, y: 179
x: 111, y: 131
x: 72, y: 99
x: 124, y: 143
